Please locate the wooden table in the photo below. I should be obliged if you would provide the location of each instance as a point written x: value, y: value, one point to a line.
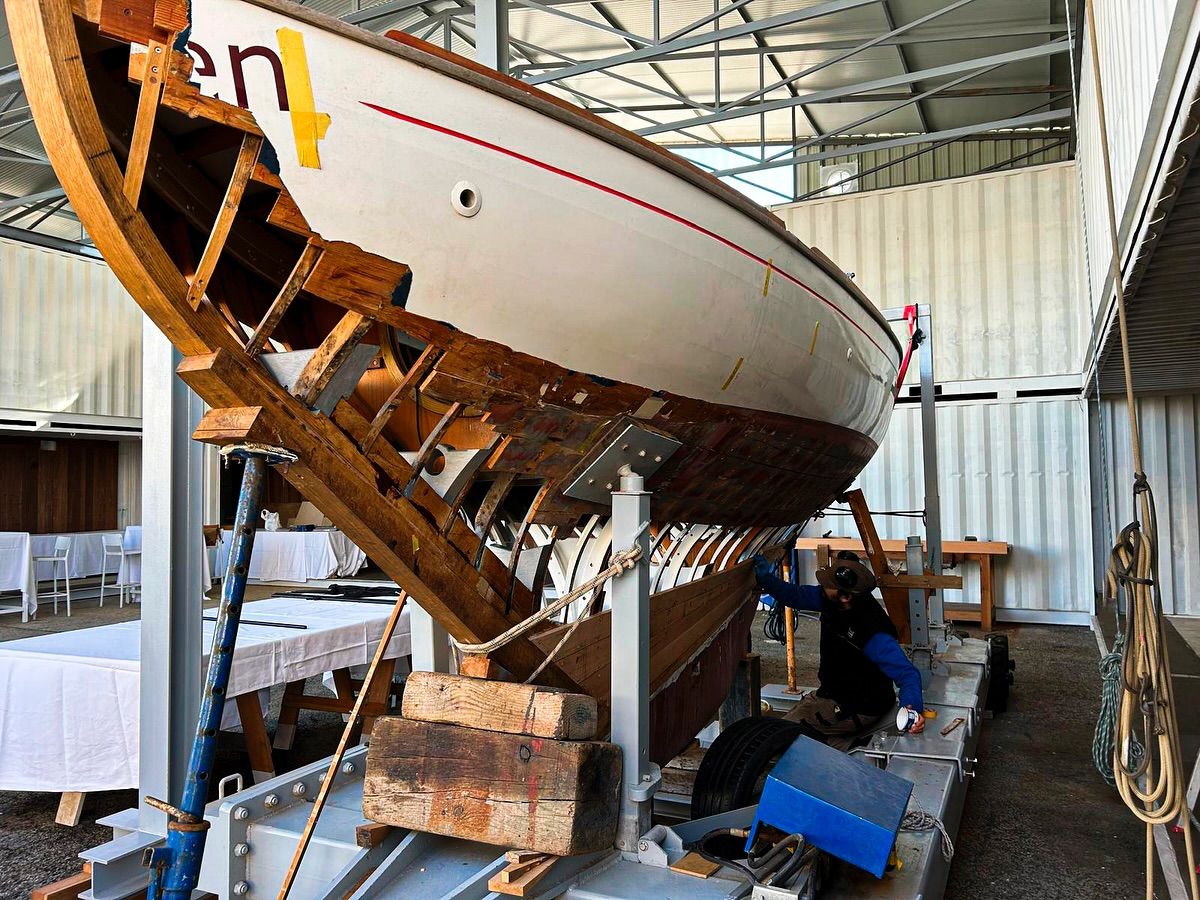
x: 981, y: 552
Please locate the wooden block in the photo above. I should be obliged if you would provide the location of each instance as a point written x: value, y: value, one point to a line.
x: 66, y: 889
x: 371, y: 834
x: 696, y: 865
x: 70, y: 808
x: 476, y: 665
x: 519, y: 879
x: 557, y: 797
x: 499, y: 706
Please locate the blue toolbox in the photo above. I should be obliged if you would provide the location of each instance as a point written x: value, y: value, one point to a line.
x: 841, y: 804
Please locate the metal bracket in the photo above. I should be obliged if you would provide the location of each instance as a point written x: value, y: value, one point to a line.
x: 888, y: 755
x: 649, y: 786
x: 644, y: 451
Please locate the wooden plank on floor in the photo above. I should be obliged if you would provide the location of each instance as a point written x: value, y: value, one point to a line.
x: 70, y: 808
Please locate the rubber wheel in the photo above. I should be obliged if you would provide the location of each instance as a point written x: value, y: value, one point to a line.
x: 1002, y: 672
x: 733, y: 771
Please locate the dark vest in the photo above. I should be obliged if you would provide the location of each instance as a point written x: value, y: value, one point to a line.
x: 846, y: 674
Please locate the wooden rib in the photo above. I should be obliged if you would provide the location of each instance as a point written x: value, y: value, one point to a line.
x: 543, y: 566
x: 330, y: 356
x: 427, y: 448
x: 519, y: 543
x: 279, y: 306
x: 894, y: 599
x: 143, y: 126
x: 489, y: 509
x: 429, y: 356
x: 247, y: 157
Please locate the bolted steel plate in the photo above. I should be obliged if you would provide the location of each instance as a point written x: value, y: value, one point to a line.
x: 642, y: 450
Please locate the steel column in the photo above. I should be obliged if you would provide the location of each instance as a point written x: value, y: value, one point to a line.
x: 491, y: 34
x: 171, y: 630
x: 430, y: 641
x: 631, y: 663
x: 929, y: 459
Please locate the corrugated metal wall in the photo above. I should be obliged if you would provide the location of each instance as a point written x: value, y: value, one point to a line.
x: 1137, y: 61
x: 70, y: 337
x: 996, y: 257
x: 1009, y: 471
x: 955, y: 160
x: 1170, y: 430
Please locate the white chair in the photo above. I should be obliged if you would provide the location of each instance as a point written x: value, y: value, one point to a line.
x: 114, y: 547
x: 62, y: 554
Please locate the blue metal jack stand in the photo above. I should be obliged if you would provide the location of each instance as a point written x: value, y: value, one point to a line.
x: 175, y: 867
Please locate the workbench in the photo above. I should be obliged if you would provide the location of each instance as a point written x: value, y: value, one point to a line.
x: 981, y: 552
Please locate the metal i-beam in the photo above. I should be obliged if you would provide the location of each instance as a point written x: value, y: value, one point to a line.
x: 932, y: 36
x: 863, y: 87
x: 948, y: 134
x: 382, y: 10
x: 28, y: 199
x: 704, y: 39
x: 491, y: 34
x: 627, y: 36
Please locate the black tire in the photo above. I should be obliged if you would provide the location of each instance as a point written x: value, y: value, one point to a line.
x: 1002, y: 668
x: 732, y: 773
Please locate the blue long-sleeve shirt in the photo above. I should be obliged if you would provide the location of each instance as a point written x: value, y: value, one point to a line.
x: 882, y: 649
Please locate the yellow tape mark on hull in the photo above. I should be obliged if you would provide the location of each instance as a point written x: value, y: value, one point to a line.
x: 732, y: 375
x: 308, y: 125
x: 813, y: 346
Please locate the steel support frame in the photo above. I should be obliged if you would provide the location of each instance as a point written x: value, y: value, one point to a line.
x: 929, y: 455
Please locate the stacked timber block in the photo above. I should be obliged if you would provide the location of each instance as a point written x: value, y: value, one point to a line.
x: 499, y: 763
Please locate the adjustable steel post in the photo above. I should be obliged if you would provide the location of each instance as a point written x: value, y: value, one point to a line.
x: 631, y: 663
x: 175, y: 866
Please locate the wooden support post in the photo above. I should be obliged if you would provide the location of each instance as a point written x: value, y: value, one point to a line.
x: 377, y: 691
x: 157, y: 59
x: 254, y: 730
x: 247, y: 157
x: 329, y: 356
x: 745, y: 694
x: 789, y: 627
x: 291, y: 288
x: 986, y: 586
x: 412, y: 378
x: 70, y: 808
x: 894, y: 599
x: 289, y: 714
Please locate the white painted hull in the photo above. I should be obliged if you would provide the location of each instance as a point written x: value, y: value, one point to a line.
x: 582, y: 253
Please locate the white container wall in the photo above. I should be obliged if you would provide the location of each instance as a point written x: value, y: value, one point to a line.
x: 1013, y: 471
x: 1140, y: 45
x: 996, y: 258
x: 1170, y: 428
x: 70, y: 336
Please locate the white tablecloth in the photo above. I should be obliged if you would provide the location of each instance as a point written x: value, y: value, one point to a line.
x: 297, y: 556
x: 16, y: 568
x: 69, y: 701
x: 87, y: 554
x: 131, y: 569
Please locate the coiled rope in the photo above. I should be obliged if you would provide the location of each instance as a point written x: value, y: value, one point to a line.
x: 1152, y: 786
x: 920, y: 819
x: 620, y: 562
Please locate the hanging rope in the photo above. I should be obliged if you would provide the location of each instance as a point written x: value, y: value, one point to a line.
x: 1152, y: 783
x: 920, y: 819
x: 626, y: 559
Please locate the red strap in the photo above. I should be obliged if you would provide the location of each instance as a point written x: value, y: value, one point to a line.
x: 910, y: 316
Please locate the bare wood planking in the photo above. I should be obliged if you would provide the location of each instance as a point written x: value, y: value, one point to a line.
x: 143, y: 128
x: 520, y: 878
x: 489, y: 510
x: 413, y: 377
x: 330, y: 356
x: 499, y: 706
x: 371, y: 834
x: 557, y: 797
x: 430, y: 445
x: 247, y: 157
x: 291, y: 288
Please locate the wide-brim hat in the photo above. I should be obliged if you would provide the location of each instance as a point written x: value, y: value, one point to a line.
x: 846, y: 575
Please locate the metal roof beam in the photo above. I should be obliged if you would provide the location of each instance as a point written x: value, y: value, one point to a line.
x: 746, y: 29
x: 863, y: 87
x: 29, y: 199
x: 948, y: 134
x: 627, y: 36
x: 886, y: 6
x: 700, y: 23
x: 382, y: 10
x: 933, y: 36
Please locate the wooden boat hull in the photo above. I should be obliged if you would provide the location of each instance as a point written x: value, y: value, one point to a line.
x: 249, y: 232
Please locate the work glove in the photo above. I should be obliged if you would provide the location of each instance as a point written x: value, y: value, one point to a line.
x: 763, y: 568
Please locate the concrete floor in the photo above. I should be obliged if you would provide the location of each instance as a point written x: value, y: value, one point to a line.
x: 1038, y: 822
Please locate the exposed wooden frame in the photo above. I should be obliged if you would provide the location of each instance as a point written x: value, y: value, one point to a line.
x: 158, y: 55
x: 242, y: 169
x: 425, y: 362
x: 430, y: 445
x: 290, y: 290
x: 489, y: 510
x: 330, y: 356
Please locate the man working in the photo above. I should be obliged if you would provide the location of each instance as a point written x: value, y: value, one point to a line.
x: 860, y: 656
